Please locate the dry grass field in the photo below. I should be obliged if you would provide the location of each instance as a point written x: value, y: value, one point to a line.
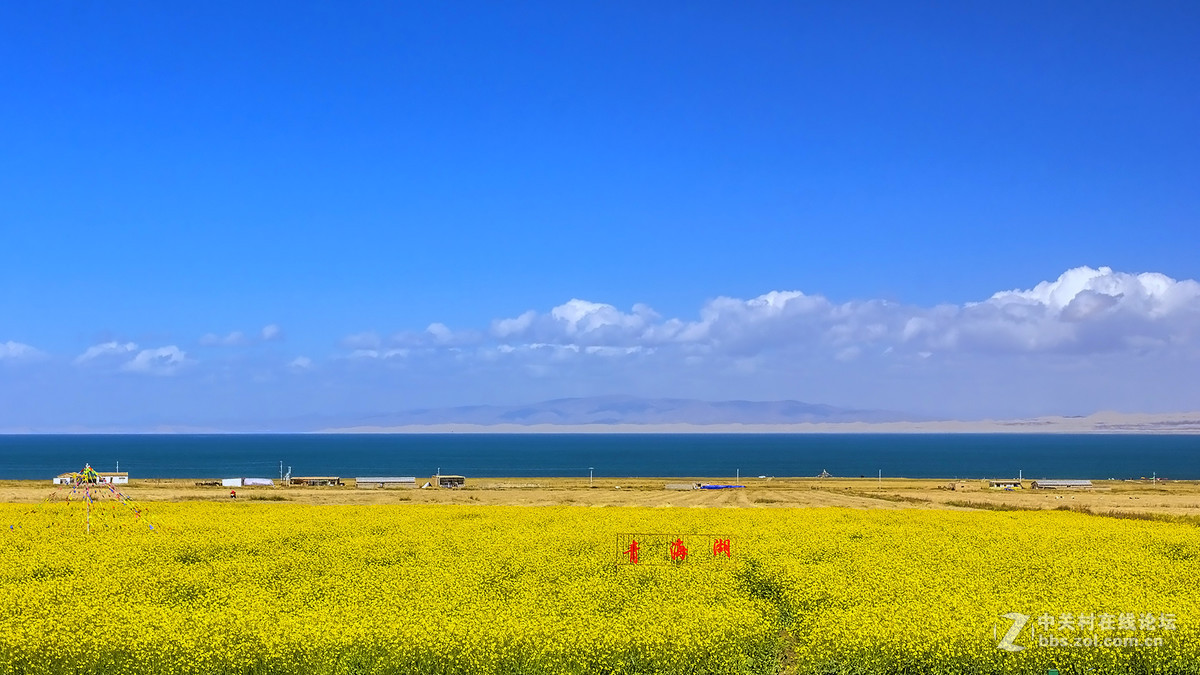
x: 1133, y: 499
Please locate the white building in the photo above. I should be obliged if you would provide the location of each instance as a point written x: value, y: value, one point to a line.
x: 110, y: 477
x: 385, y: 482
x: 247, y: 482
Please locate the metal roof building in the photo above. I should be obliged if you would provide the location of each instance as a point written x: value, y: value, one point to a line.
x: 316, y: 481
x: 1057, y: 484
x: 382, y: 482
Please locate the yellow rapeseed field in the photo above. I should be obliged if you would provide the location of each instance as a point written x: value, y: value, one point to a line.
x: 286, y: 588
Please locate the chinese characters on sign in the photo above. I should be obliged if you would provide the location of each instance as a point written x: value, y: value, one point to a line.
x: 677, y: 549
x: 632, y: 552
x: 721, y: 546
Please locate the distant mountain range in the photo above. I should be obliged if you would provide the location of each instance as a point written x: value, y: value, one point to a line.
x: 612, y: 411
x: 630, y: 414
x: 629, y: 410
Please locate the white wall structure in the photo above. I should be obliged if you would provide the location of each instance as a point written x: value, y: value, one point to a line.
x: 113, y: 478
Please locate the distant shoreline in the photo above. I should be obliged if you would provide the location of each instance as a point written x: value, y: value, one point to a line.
x: 1098, y: 423
x: 832, y: 429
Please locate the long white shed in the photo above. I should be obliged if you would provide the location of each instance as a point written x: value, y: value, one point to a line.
x: 1061, y: 484
x: 385, y: 482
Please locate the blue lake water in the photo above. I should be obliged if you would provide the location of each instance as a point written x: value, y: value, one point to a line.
x: 649, y: 455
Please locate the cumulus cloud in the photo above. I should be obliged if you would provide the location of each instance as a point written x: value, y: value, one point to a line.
x: 271, y: 333
x: 127, y: 357
x: 17, y: 351
x: 439, y: 332
x: 1149, y: 293
x: 1084, y: 311
x: 161, y: 361
x: 586, y: 323
x: 105, y: 350
x: 1088, y: 339
x: 515, y: 327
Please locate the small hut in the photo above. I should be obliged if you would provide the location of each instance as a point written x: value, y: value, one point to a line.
x: 449, y: 481
x: 824, y: 474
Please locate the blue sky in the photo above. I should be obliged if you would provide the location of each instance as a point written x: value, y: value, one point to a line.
x: 221, y: 211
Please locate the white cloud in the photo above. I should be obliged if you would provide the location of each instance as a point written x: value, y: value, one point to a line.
x: 17, y: 351
x: 1084, y: 311
x: 1089, y: 339
x: 271, y: 333
x: 1152, y: 294
x: 580, y: 317
x: 440, y: 332
x: 583, y: 322
x: 234, y: 339
x: 515, y: 327
x: 105, y: 350
x: 162, y: 361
